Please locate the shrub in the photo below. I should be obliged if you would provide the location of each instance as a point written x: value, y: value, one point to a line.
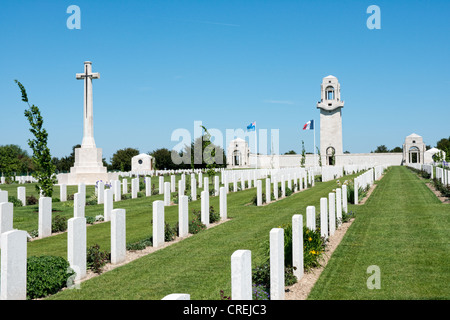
x: 90, y: 220
x: 213, y: 215
x: 259, y: 292
x: 196, y: 225
x: 96, y: 259
x: 46, y: 275
x: 313, y: 248
x: 288, y: 192
x: 16, y: 202
x: 59, y: 224
x: 141, y: 244
x: 255, y: 199
x: 31, y: 200
x: 169, y: 232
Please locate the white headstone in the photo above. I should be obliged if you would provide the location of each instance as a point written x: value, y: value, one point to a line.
x: 158, y: 223
x: 344, y: 198
x: 223, y: 203
x: 108, y: 205
x: 194, y: 189
x: 167, y: 193
x: 177, y: 296
x: 205, y: 207
x: 324, y: 217
x: 216, y: 186
x: 161, y: 185
x: 339, y: 206
x: 241, y: 275
x: 14, y: 265
x: 76, y: 246
x: 100, y: 192
x: 172, y: 183
x: 259, y: 193
x: 3, y: 196
x: 148, y: 186
x: 117, y: 193
x: 124, y: 186
x: 134, y: 188
x: 311, y: 218
x: 297, y: 245
x: 6, y: 217
x: 118, y: 236
x: 78, y: 206
x: 268, y: 192
x: 332, y: 212
x: 22, y: 195
x: 277, y: 264
x: 45, y: 217
x: 183, y: 216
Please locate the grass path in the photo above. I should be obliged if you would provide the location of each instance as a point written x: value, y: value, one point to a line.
x: 404, y: 230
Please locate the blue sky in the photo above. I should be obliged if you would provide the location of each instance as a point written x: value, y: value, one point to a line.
x: 165, y: 64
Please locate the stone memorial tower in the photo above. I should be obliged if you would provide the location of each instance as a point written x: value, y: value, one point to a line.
x: 330, y: 106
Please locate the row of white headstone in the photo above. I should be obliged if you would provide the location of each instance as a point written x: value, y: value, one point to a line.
x: 13, y: 243
x: 241, y: 263
x: 443, y: 175
x: 19, y: 179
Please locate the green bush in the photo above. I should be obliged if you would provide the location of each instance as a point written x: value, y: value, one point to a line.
x: 169, y: 232
x: 90, y: 220
x: 59, y: 224
x: 196, y: 225
x: 46, y: 275
x: 31, y: 200
x: 16, y: 202
x: 141, y: 244
x: 213, y: 215
x: 96, y: 259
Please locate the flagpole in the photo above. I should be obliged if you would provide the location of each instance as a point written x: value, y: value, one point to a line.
x: 256, y: 147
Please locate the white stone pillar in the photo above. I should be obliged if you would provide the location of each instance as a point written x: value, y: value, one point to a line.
x: 108, y: 204
x: 194, y: 189
x: 275, y: 188
x: 177, y: 296
x: 324, y: 217
x: 277, y: 264
x: 172, y: 183
x: 268, y: 191
x: 216, y: 186
x: 356, y: 190
x: 100, y: 192
x: 241, y: 275
x: 3, y: 196
x: 339, y: 206
x: 76, y: 246
x: 45, y: 217
x: 311, y: 218
x: 148, y: 186
x: 297, y: 245
x: 344, y: 199
x: 117, y: 194
x: 125, y: 186
x: 181, y: 187
x: 205, y: 207
x: 259, y: 193
x: 78, y: 206
x: 200, y: 180
x: 167, y: 193
x: 332, y: 212
x: 14, y: 265
x: 283, y: 187
x: 158, y: 223
x: 206, y: 184
x: 22, y: 195
x: 118, y: 236
x: 82, y: 192
x: 183, y: 216
x: 6, y: 217
x: 161, y: 185
x: 223, y: 203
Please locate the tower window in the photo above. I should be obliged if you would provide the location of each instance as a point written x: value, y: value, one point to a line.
x: 329, y: 93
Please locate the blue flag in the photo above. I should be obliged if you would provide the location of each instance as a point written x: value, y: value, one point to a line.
x: 251, y: 126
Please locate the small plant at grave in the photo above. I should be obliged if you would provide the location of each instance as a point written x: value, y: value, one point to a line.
x: 175, y: 198
x: 259, y: 292
x: 255, y: 199
x: 154, y: 191
x: 213, y: 215
x: 31, y: 200
x: 170, y: 233
x: 288, y: 192
x: 141, y: 194
x: 92, y: 200
x: 59, y: 224
x: 71, y: 197
x: 96, y: 259
x: 90, y: 220
x: 141, y: 244
x: 196, y: 225
x: 313, y: 248
x: 223, y: 296
x: 126, y: 196
x: 34, y: 233
x: 46, y: 275
x: 346, y: 217
x: 16, y: 202
x: 212, y: 192
x: 444, y: 190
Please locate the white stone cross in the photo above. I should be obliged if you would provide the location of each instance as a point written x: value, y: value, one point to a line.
x: 88, y: 132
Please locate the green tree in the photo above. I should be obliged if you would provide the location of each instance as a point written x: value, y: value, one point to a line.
x: 320, y: 156
x: 290, y: 152
x: 121, y: 160
x: 44, y: 169
x: 163, y: 160
x: 14, y: 160
x: 303, y: 160
x: 444, y: 145
x: 381, y: 149
x: 397, y: 149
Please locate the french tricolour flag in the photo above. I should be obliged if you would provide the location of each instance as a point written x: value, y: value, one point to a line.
x: 309, y: 125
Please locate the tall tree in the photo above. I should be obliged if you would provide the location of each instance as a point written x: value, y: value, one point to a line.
x: 42, y: 159
x: 121, y: 160
x: 381, y: 149
x: 444, y: 145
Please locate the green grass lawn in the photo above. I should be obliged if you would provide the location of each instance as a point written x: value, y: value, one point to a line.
x: 199, y: 265
x: 404, y: 230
